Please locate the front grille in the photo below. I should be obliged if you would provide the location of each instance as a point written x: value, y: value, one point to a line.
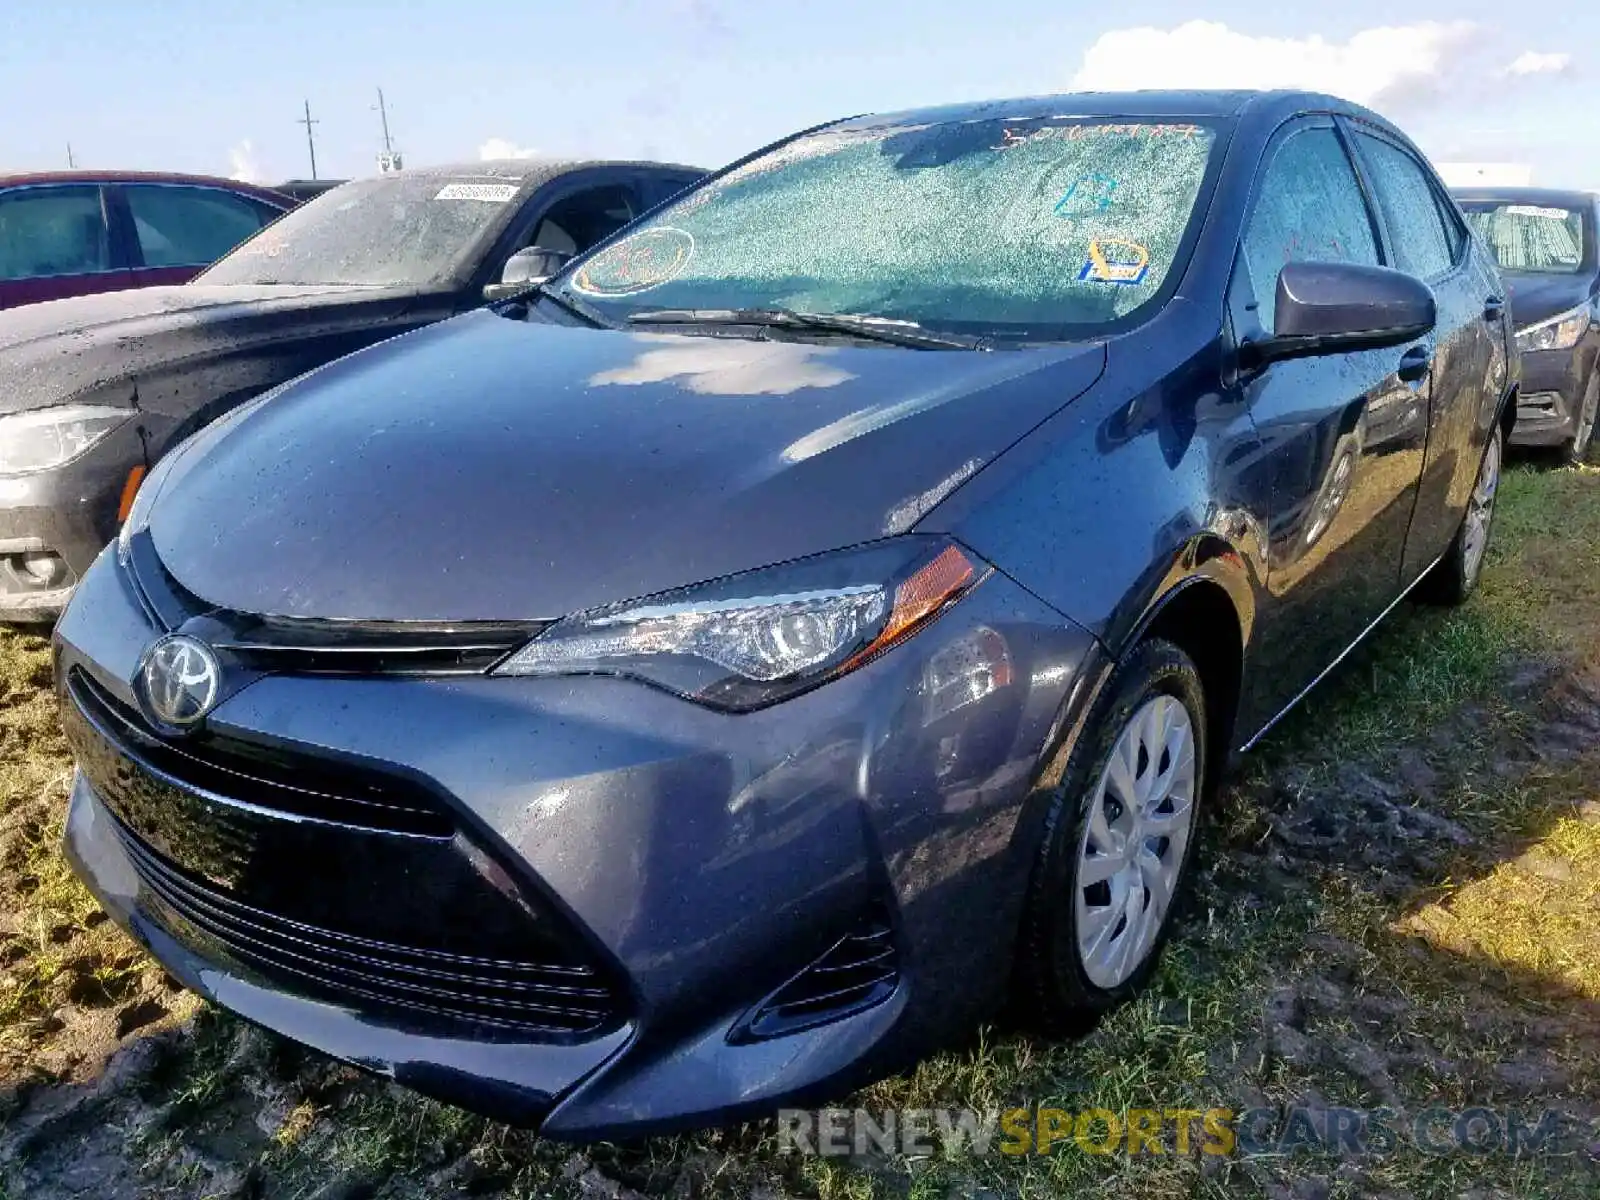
x: 859, y: 970
x: 307, y: 645
x: 290, y: 782
x: 530, y: 998
x: 1538, y: 404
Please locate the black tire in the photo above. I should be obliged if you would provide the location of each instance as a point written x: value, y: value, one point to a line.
x: 1455, y: 577
x: 1053, y: 991
x: 1577, y: 450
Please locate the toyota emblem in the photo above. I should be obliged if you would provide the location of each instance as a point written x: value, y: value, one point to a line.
x: 180, y: 678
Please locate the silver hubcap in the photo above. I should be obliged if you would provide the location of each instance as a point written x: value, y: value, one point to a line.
x: 1134, y: 840
x: 1480, y: 510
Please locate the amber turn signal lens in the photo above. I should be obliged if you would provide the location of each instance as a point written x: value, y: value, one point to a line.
x: 924, y: 595
x: 130, y: 489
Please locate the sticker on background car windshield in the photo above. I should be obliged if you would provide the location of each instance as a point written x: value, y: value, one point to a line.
x: 1533, y: 210
x: 1113, y: 260
x: 636, y: 264
x: 492, y: 193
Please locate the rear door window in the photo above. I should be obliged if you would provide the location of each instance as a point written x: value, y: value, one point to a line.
x: 1309, y: 209
x: 1410, y: 206
x: 189, y: 226
x: 47, y: 231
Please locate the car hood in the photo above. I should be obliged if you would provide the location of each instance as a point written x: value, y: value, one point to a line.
x: 65, y: 350
x: 488, y: 468
x: 1536, y: 296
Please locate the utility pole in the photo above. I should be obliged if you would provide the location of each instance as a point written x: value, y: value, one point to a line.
x: 311, y: 142
x: 383, y: 114
x: 389, y: 160
x: 72, y: 164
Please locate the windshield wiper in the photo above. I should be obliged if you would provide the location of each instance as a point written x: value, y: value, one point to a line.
x: 878, y: 329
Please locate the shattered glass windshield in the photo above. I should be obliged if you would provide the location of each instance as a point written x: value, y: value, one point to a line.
x: 1032, y: 229
x: 396, y: 229
x: 1530, y: 237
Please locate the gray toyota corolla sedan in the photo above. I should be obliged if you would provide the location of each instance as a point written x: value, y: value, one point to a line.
x: 722, y: 671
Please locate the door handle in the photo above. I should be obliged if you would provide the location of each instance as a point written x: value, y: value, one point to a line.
x: 1493, y: 309
x: 1414, y: 364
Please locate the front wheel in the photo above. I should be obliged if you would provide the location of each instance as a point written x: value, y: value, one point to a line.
x: 1118, y: 842
x: 1577, y: 450
x: 1456, y: 575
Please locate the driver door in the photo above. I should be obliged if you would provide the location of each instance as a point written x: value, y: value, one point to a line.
x: 1344, y: 434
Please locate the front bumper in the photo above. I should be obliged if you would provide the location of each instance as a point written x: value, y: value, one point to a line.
x: 703, y: 860
x: 1555, y: 384
x: 53, y: 523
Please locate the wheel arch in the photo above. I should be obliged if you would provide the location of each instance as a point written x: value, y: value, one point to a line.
x: 1206, y: 607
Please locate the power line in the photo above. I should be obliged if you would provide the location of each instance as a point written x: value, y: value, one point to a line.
x: 311, y: 141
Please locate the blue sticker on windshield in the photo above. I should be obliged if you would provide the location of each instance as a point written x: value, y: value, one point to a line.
x: 1113, y: 260
x: 1087, y: 196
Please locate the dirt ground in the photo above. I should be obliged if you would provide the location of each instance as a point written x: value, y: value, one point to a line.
x: 1398, y: 909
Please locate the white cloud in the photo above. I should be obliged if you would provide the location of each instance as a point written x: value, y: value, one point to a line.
x: 1531, y: 62
x: 1373, y: 64
x: 497, y: 147
x: 243, y: 163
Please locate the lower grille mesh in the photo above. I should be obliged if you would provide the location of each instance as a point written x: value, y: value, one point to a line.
x: 534, y: 998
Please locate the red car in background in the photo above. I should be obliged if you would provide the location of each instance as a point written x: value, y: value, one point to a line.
x: 69, y: 233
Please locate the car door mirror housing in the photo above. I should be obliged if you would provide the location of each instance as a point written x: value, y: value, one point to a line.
x: 1331, y: 308
x: 531, y: 265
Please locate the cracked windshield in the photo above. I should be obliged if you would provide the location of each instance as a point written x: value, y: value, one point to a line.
x: 1029, y: 229
x: 373, y: 232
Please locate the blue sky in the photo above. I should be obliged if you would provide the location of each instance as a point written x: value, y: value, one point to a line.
x: 217, y: 85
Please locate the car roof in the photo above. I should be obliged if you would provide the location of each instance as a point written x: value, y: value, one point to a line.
x: 33, y: 178
x: 1150, y: 104
x: 1552, y: 197
x: 529, y: 173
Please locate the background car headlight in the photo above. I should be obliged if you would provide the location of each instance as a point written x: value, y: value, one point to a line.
x: 1558, y: 333
x: 751, y: 640
x: 49, y: 437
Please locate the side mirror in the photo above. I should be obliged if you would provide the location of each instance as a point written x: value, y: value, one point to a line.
x: 531, y: 265
x: 1332, y: 308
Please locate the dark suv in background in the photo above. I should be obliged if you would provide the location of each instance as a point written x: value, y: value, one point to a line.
x: 1546, y: 244
x: 72, y: 233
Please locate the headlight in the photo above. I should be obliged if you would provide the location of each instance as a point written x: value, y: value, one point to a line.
x: 751, y: 640
x: 49, y: 437
x: 1558, y: 333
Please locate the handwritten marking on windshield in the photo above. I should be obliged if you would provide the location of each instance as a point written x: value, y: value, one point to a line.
x: 1091, y: 194
x: 1074, y: 133
x: 646, y: 260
